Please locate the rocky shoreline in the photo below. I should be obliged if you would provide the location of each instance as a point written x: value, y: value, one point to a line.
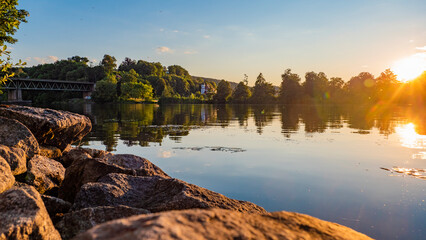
x: 50, y: 190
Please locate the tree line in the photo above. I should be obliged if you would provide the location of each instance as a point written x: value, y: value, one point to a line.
x: 144, y: 81
x: 131, y: 80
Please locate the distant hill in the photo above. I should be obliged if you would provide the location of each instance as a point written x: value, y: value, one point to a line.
x: 233, y: 84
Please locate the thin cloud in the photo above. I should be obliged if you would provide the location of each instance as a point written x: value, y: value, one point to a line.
x: 421, y: 48
x: 41, y: 60
x: 164, y: 49
x: 206, y: 36
x: 411, y: 41
x: 53, y: 58
x: 190, y: 52
x: 175, y: 31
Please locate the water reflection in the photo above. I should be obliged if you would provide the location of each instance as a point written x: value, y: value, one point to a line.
x: 332, y: 162
x: 145, y: 124
x: 410, y: 138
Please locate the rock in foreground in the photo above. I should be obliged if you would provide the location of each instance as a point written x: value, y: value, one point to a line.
x: 85, y: 169
x: 45, y: 174
x: 50, y: 127
x: 155, y: 194
x: 14, y: 134
x: 220, y: 224
x: 6, y: 178
x: 15, y: 157
x: 77, y: 222
x: 78, y: 154
x: 23, y: 216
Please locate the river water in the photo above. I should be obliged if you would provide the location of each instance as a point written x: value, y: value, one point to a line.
x: 362, y: 167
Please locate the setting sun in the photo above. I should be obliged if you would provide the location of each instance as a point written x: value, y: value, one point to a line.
x: 409, y: 68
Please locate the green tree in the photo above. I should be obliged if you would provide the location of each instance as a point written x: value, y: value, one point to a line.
x: 241, y: 93
x: 361, y: 87
x: 129, y: 77
x: 290, y: 90
x: 336, y: 89
x: 263, y: 92
x: 145, y: 68
x: 127, y: 64
x: 105, y: 91
x: 178, y: 70
x: 137, y: 91
x: 109, y: 63
x: 386, y: 86
x: 10, y: 19
x: 158, y: 84
x: 224, y: 92
x: 79, y: 59
x: 315, y: 85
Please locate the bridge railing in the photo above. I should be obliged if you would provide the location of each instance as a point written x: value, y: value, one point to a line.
x: 47, y: 85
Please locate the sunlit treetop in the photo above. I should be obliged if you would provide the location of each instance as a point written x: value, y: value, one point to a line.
x: 10, y: 18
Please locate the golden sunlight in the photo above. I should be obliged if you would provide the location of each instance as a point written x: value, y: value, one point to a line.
x: 409, y: 68
x: 410, y: 138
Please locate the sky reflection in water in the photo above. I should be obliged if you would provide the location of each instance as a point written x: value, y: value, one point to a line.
x: 343, y: 164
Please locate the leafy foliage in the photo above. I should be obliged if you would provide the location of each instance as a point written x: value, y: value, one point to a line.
x: 241, y: 93
x: 10, y: 19
x: 224, y: 92
x: 263, y: 92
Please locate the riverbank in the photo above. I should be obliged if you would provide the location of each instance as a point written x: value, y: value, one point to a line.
x: 51, y: 191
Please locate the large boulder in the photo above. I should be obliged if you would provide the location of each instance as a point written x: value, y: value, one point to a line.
x: 15, y: 134
x: 154, y: 194
x: 50, y: 127
x: 15, y: 157
x: 6, y: 177
x: 77, y: 154
x: 55, y: 206
x: 89, y: 169
x: 50, y: 152
x: 23, y: 216
x: 220, y: 224
x: 80, y: 221
x: 45, y: 174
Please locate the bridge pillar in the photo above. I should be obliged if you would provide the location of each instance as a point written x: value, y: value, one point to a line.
x: 14, y: 95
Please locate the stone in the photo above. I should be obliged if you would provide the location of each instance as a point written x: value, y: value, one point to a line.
x: 77, y: 154
x: 6, y: 177
x: 15, y: 157
x: 50, y: 152
x: 220, y: 224
x: 23, y: 216
x: 154, y: 194
x: 14, y: 134
x: 50, y: 127
x: 45, y: 174
x: 91, y: 169
x: 55, y: 206
x: 77, y: 222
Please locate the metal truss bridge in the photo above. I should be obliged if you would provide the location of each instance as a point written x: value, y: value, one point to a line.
x: 15, y: 86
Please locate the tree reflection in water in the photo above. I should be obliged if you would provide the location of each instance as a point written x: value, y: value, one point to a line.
x: 142, y: 124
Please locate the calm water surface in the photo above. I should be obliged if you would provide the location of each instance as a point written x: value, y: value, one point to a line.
x: 362, y: 167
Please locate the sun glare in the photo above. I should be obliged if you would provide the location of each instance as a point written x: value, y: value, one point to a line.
x: 410, y: 138
x: 409, y: 68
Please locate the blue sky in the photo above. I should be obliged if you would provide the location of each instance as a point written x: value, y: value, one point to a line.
x: 227, y: 39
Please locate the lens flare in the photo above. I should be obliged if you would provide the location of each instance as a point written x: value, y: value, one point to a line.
x: 411, y: 67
